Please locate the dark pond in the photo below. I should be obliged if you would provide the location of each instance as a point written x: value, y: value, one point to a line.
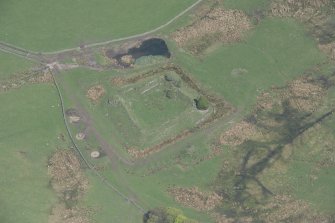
x: 149, y: 47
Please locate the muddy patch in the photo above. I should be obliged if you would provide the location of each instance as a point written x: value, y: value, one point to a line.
x: 149, y: 47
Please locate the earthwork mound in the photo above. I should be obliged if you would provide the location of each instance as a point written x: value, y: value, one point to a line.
x: 95, y: 93
x: 73, y: 115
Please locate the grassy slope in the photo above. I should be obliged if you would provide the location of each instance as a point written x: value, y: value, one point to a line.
x: 30, y: 124
x: 10, y: 64
x: 53, y: 25
x: 276, y: 51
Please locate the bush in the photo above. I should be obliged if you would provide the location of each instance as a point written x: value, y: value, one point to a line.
x: 166, y: 215
x: 202, y: 103
x: 170, y: 94
x: 168, y: 77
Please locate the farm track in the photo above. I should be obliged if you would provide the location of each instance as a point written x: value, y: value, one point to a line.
x: 23, y: 53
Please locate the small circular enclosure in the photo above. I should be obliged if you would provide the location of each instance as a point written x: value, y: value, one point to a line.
x: 95, y: 154
x: 80, y: 136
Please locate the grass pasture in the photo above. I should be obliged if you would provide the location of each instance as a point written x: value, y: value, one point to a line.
x: 30, y: 126
x: 49, y: 25
x: 11, y: 64
x: 276, y: 51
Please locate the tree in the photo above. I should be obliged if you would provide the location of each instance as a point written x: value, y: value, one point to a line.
x: 202, y: 103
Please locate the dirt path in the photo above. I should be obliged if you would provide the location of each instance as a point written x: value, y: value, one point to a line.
x: 91, y: 131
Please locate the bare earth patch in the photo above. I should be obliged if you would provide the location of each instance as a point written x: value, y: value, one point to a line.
x: 238, y: 134
x: 223, y: 25
x: 95, y: 93
x: 194, y: 198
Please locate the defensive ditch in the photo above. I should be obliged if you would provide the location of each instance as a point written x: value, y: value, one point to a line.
x: 221, y: 107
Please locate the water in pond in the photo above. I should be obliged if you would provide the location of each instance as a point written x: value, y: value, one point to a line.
x: 150, y: 47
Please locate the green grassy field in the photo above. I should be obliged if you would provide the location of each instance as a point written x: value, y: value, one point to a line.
x: 141, y: 115
x: 11, y: 64
x: 276, y: 51
x: 30, y: 124
x: 50, y: 25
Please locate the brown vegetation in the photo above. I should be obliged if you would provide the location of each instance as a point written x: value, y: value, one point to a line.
x: 95, y: 93
x: 304, y: 94
x: 300, y: 9
x: 328, y: 49
x: 70, y: 184
x: 238, y: 134
x: 285, y: 207
x: 127, y: 60
x: 217, y: 25
x: 61, y: 214
x: 317, y: 14
x: 66, y: 174
x: 194, y: 198
x: 283, y: 116
x: 26, y: 77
